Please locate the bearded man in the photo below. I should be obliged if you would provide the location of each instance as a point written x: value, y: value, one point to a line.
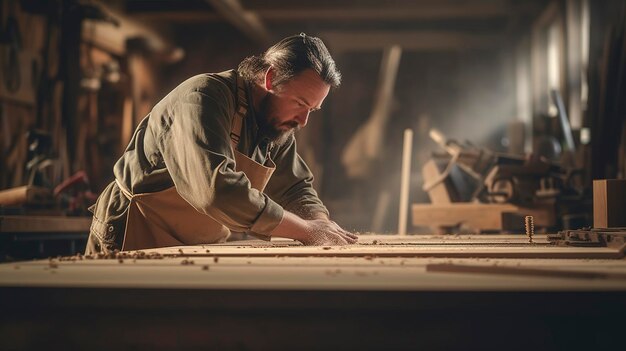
x: 218, y: 155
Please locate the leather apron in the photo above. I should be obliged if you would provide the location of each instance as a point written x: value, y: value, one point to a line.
x: 164, y: 218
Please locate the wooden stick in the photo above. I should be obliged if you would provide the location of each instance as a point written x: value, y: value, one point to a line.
x: 405, y: 180
x: 609, y: 203
x: 531, y: 271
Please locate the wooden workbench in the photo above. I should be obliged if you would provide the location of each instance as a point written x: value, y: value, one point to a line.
x: 399, y: 291
x: 26, y: 236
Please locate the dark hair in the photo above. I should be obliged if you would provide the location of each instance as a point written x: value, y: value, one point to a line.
x: 290, y: 57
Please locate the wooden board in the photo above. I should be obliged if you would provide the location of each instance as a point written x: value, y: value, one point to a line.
x: 609, y: 203
x: 480, y: 217
x: 26, y: 195
x: 43, y: 224
x: 476, y: 216
x: 471, y: 246
x: 391, y: 264
x: 236, y: 295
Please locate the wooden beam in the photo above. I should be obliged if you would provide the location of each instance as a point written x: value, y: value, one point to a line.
x: 609, y: 203
x: 112, y: 39
x: 408, y: 40
x: 513, y: 271
x: 24, y: 195
x: 404, y: 10
x: 179, y: 16
x: 378, y: 14
x: 343, y: 12
x: 475, y: 216
x: 478, y: 216
x: 246, y: 21
x: 43, y: 224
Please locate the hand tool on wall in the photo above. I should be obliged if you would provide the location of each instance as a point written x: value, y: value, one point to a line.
x: 366, y: 144
x: 11, y: 39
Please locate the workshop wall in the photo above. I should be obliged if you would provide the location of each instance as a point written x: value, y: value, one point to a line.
x: 20, y: 53
x: 462, y: 93
x: 467, y: 95
x: 88, y: 111
x: 68, y: 105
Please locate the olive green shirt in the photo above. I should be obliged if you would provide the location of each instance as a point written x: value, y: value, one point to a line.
x: 185, y: 142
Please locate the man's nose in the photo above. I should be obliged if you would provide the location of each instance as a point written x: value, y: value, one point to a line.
x: 302, y: 118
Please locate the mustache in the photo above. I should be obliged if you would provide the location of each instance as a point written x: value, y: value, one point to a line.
x: 292, y: 125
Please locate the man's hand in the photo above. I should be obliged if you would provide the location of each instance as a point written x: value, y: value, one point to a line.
x: 313, y: 232
x: 326, y: 232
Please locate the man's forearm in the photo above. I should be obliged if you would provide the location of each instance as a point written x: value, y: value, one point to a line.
x: 291, y: 226
x: 309, y: 212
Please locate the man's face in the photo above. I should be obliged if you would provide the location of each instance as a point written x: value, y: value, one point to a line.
x: 286, y: 108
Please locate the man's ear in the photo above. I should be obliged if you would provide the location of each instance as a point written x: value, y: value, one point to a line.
x: 269, y: 79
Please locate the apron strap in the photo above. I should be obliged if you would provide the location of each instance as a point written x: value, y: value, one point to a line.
x: 240, y: 112
x: 123, y: 189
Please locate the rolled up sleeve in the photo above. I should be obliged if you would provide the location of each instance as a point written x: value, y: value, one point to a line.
x: 292, y: 184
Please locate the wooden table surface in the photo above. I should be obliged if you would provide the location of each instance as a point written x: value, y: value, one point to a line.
x: 387, y: 292
x: 377, y: 263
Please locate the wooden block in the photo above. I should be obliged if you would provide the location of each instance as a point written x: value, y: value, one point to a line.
x: 609, y: 203
x: 477, y: 216
x: 439, y: 193
x: 25, y: 195
x: 44, y: 224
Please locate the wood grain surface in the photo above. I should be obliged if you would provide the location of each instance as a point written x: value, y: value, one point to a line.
x: 386, y: 263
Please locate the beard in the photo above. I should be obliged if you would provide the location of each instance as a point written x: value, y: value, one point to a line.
x: 270, y: 126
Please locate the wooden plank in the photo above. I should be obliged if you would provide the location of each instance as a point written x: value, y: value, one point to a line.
x: 43, y: 224
x: 519, y: 250
x: 25, y: 195
x: 296, y: 12
x: 246, y: 21
x: 476, y: 216
x: 506, y: 270
x: 409, y: 40
x: 401, y: 240
x: 390, y: 264
x: 301, y: 273
x: 112, y: 39
x: 480, y: 217
x: 609, y: 203
x: 399, y: 10
x: 428, y: 12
